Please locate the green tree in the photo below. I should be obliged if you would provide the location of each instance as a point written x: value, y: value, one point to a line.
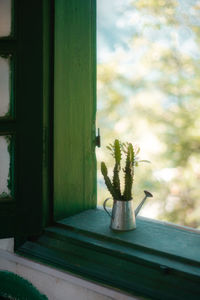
x: 157, y: 104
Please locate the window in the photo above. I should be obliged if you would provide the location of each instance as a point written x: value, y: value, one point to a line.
x: 140, y: 263
x: 21, y: 119
x: 48, y: 79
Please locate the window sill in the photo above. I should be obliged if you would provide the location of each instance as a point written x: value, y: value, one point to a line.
x: 156, y: 260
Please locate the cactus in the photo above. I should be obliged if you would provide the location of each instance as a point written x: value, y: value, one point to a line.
x: 117, y: 167
x: 131, y: 161
x: 129, y: 172
x: 108, y: 182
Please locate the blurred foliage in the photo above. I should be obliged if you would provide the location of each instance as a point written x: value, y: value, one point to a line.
x: 154, y: 100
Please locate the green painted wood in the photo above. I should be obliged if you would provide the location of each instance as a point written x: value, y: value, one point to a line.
x: 150, y: 234
x: 7, y: 126
x: 29, y: 104
x: 122, y: 261
x: 47, y: 109
x: 29, y: 74
x: 74, y: 107
x: 8, y: 45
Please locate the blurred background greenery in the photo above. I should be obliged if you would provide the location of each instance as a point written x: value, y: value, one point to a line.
x: 149, y: 94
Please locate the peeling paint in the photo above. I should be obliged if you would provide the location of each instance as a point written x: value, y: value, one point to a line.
x: 5, y: 85
x: 6, y: 166
x: 5, y: 18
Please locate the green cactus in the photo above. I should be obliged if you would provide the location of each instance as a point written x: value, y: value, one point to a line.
x: 129, y: 172
x: 117, y: 168
x: 107, y: 180
x: 116, y: 149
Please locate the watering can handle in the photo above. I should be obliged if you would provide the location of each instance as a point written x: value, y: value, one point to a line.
x: 104, y: 206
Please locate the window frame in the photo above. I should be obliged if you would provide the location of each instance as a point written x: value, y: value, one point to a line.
x: 25, y: 214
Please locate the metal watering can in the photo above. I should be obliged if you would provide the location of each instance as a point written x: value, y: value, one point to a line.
x: 123, y: 216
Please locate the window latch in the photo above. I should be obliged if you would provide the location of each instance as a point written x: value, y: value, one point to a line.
x: 98, y: 139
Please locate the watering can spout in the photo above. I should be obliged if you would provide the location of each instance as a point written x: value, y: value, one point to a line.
x: 147, y: 195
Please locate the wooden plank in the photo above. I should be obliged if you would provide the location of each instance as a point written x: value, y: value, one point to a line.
x: 48, y: 45
x: 149, y: 234
x: 29, y: 116
x: 8, y: 46
x: 74, y: 107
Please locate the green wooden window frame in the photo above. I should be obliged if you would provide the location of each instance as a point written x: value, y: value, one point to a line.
x: 54, y: 78
x: 28, y: 45
x: 53, y: 113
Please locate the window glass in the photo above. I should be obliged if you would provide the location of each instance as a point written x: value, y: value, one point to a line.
x: 5, y: 18
x: 148, y: 93
x: 4, y: 86
x: 5, y: 169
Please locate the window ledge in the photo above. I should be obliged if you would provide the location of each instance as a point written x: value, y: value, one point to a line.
x: 156, y: 260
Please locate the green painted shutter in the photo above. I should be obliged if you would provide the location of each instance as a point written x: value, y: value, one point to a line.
x: 21, y: 212
x: 74, y: 107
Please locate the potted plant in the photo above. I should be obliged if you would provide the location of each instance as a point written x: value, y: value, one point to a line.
x: 123, y: 216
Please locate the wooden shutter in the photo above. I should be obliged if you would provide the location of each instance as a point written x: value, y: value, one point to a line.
x: 74, y: 107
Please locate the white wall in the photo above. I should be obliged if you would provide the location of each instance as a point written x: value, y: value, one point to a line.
x: 56, y: 285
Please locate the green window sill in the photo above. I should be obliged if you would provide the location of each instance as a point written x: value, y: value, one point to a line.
x: 157, y: 260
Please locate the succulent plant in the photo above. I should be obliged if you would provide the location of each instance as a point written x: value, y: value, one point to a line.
x: 118, y: 149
